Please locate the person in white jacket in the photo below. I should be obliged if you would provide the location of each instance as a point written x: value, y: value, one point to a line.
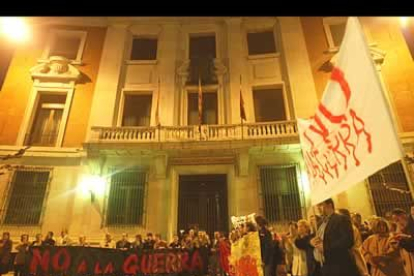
x: 64, y: 239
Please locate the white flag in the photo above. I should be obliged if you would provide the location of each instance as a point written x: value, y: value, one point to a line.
x: 352, y: 135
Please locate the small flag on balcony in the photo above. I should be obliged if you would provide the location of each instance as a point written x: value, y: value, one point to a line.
x: 200, y: 102
x: 157, y: 112
x: 242, y: 110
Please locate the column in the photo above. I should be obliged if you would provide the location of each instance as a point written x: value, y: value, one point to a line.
x: 107, y: 83
x: 236, y: 66
x: 298, y: 68
x: 168, y: 43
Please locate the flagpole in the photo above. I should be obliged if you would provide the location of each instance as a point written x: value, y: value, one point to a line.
x: 158, y: 111
x: 241, y: 117
x: 200, y: 106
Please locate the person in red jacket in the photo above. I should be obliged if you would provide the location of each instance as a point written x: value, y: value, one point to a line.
x: 224, y: 254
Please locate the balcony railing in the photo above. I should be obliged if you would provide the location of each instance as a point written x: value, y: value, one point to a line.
x: 248, y: 131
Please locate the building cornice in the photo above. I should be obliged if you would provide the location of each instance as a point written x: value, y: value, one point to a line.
x: 104, y: 21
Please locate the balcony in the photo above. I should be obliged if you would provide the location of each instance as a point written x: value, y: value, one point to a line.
x: 271, y: 132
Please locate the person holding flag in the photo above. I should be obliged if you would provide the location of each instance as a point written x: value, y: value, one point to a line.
x: 333, y: 242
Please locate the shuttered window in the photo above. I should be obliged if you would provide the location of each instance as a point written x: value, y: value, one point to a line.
x: 126, y: 199
x: 385, y: 199
x: 27, y: 196
x: 280, y: 193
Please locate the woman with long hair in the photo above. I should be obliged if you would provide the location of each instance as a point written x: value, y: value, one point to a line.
x: 302, y: 242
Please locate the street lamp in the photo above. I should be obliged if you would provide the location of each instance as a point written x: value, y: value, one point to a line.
x: 14, y: 29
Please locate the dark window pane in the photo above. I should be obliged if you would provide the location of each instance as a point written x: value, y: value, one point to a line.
x: 280, y: 193
x: 385, y: 199
x: 337, y: 32
x: 261, y: 43
x: 126, y: 198
x: 66, y: 47
x: 269, y: 105
x: 137, y: 110
x: 202, y: 54
x: 203, y: 47
x: 210, y: 114
x: 144, y: 49
x: 27, y: 196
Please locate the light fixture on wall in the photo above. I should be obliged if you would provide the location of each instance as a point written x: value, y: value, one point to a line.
x: 92, y: 185
x: 14, y: 29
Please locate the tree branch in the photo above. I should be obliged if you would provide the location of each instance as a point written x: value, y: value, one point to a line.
x: 18, y: 154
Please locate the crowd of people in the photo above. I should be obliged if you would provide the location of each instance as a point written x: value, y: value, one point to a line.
x: 334, y: 243
x: 340, y: 243
x: 191, y: 239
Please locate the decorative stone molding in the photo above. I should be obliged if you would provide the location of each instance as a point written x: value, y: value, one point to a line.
x: 377, y: 55
x: 201, y: 160
x: 183, y: 71
x: 220, y: 69
x: 56, y: 69
x: 243, y: 163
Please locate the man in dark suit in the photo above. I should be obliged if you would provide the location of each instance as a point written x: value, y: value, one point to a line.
x: 333, y: 241
x: 149, y: 242
x: 49, y: 241
x: 266, y: 246
x: 123, y: 243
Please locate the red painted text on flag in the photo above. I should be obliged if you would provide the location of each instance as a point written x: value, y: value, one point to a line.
x: 335, y: 142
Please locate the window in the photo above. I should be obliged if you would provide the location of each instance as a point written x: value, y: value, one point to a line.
x: 47, y: 120
x: 269, y: 105
x: 203, y: 46
x: 334, y: 30
x: 261, y: 43
x: 126, y: 198
x: 280, y: 193
x: 68, y: 44
x: 202, y: 55
x: 385, y: 199
x: 210, y: 114
x: 5, y: 59
x: 27, y: 195
x: 137, y: 110
x: 144, y: 49
x: 408, y: 34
